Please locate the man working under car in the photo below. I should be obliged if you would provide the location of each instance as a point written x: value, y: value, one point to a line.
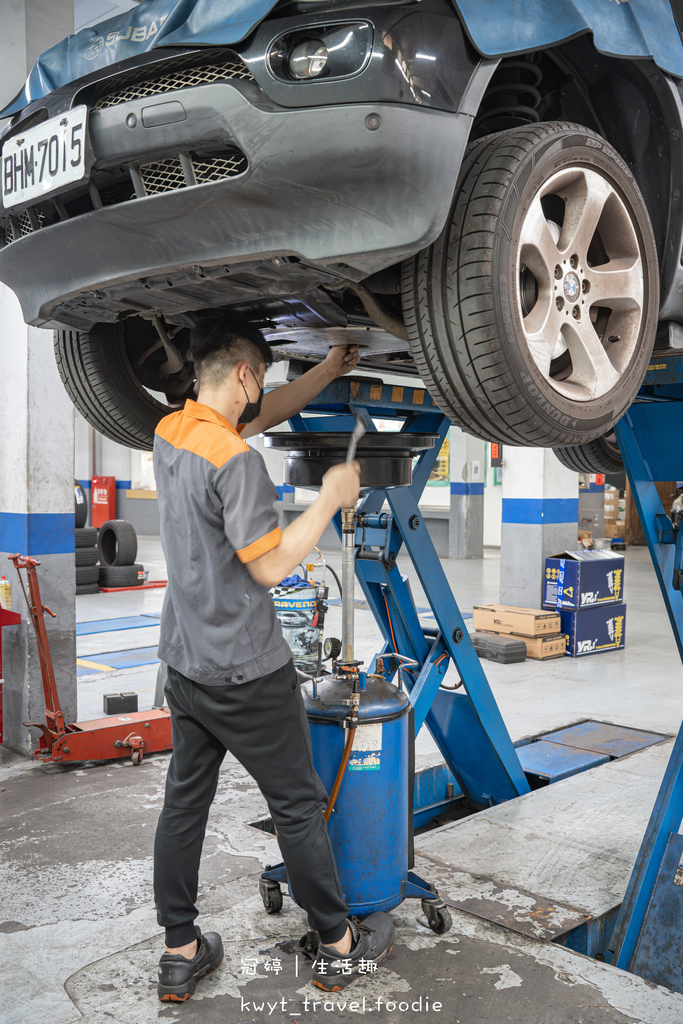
x: 231, y: 681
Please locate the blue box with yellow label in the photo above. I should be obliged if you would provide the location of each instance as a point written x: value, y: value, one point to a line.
x: 595, y: 630
x: 583, y: 579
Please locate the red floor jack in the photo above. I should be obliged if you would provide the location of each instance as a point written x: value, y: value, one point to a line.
x: 101, y: 739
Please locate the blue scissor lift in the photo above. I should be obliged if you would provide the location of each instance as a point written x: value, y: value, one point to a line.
x: 648, y: 936
x: 481, y: 762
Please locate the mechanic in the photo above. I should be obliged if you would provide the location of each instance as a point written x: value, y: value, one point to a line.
x: 231, y: 681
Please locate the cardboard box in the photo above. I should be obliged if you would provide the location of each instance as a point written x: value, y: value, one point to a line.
x: 615, y: 529
x: 579, y: 579
x: 502, y: 618
x: 595, y: 630
x: 542, y: 648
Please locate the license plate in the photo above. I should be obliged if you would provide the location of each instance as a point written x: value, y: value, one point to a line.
x: 44, y: 159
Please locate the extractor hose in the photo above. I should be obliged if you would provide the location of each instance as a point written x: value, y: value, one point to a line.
x: 342, y: 768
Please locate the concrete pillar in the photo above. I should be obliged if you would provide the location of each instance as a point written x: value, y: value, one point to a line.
x: 29, y: 27
x: 36, y: 441
x: 540, y: 518
x: 466, y: 533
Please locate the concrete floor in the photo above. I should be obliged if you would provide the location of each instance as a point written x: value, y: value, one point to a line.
x: 79, y: 939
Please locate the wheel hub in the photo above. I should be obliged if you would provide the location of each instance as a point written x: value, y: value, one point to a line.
x: 582, y: 320
x: 571, y: 287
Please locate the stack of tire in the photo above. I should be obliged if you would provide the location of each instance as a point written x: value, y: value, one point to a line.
x: 118, y: 548
x: 87, y: 552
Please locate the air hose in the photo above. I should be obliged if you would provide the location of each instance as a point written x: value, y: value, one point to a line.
x: 352, y: 724
x: 342, y: 767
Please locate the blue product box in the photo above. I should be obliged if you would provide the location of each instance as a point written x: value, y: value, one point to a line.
x: 595, y: 630
x: 583, y: 579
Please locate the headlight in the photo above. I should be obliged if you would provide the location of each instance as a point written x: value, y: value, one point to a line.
x: 308, y: 59
x: 321, y: 52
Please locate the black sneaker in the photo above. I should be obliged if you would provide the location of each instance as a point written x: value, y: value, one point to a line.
x: 372, y: 941
x: 178, y: 976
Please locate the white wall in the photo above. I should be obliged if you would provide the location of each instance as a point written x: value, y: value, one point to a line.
x: 111, y: 459
x: 493, y: 508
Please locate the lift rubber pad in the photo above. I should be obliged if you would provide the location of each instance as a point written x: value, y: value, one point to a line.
x: 555, y: 761
x: 614, y: 740
x: 112, y: 625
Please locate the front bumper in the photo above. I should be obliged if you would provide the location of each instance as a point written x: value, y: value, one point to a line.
x: 320, y: 185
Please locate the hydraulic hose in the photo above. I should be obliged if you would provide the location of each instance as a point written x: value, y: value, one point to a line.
x: 342, y: 768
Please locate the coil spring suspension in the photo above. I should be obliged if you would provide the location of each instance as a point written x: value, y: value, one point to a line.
x: 513, y: 97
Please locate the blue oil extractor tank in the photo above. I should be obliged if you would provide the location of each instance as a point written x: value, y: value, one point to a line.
x: 371, y: 824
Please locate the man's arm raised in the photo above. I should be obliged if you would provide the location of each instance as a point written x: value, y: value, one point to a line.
x: 282, y: 403
x: 340, y: 489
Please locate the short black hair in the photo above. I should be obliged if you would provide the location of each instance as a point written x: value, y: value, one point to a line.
x: 218, y: 344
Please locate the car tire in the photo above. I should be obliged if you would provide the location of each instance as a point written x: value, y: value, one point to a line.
x: 87, y: 588
x: 471, y: 304
x: 87, y: 574
x: 96, y: 371
x: 86, y: 536
x: 87, y: 556
x: 122, y: 575
x: 117, y: 542
x: 80, y: 505
x: 600, y: 456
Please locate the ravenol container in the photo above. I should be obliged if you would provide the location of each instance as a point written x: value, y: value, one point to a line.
x: 295, y: 607
x: 371, y: 824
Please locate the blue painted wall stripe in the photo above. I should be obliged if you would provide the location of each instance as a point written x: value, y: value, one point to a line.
x: 540, y: 511
x: 121, y: 485
x: 42, y: 533
x: 464, y: 488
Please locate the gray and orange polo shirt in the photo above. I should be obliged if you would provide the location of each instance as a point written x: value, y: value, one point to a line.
x: 218, y: 625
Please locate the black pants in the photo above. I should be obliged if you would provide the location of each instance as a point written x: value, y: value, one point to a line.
x: 263, y: 723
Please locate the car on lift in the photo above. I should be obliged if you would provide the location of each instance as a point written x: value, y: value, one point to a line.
x: 487, y: 201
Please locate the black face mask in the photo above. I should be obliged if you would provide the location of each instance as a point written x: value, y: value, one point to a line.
x: 251, y: 409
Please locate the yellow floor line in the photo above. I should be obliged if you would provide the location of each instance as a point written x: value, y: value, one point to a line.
x: 94, y: 664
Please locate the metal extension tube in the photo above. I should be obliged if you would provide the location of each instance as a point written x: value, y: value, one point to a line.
x: 348, y: 582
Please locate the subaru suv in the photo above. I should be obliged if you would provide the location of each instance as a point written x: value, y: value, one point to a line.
x: 486, y: 201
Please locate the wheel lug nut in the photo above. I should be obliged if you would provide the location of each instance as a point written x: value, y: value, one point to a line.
x: 576, y: 313
x: 574, y: 260
x: 558, y: 271
x: 585, y: 286
x: 559, y: 302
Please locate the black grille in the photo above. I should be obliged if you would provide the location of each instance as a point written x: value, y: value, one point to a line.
x: 162, y: 176
x: 135, y: 86
x: 213, y: 168
x: 167, y: 175
x: 20, y: 225
x: 157, y: 176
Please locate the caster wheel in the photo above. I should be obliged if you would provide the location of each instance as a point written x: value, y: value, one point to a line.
x: 438, y: 918
x: 271, y: 894
x: 308, y: 944
x: 136, y: 756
